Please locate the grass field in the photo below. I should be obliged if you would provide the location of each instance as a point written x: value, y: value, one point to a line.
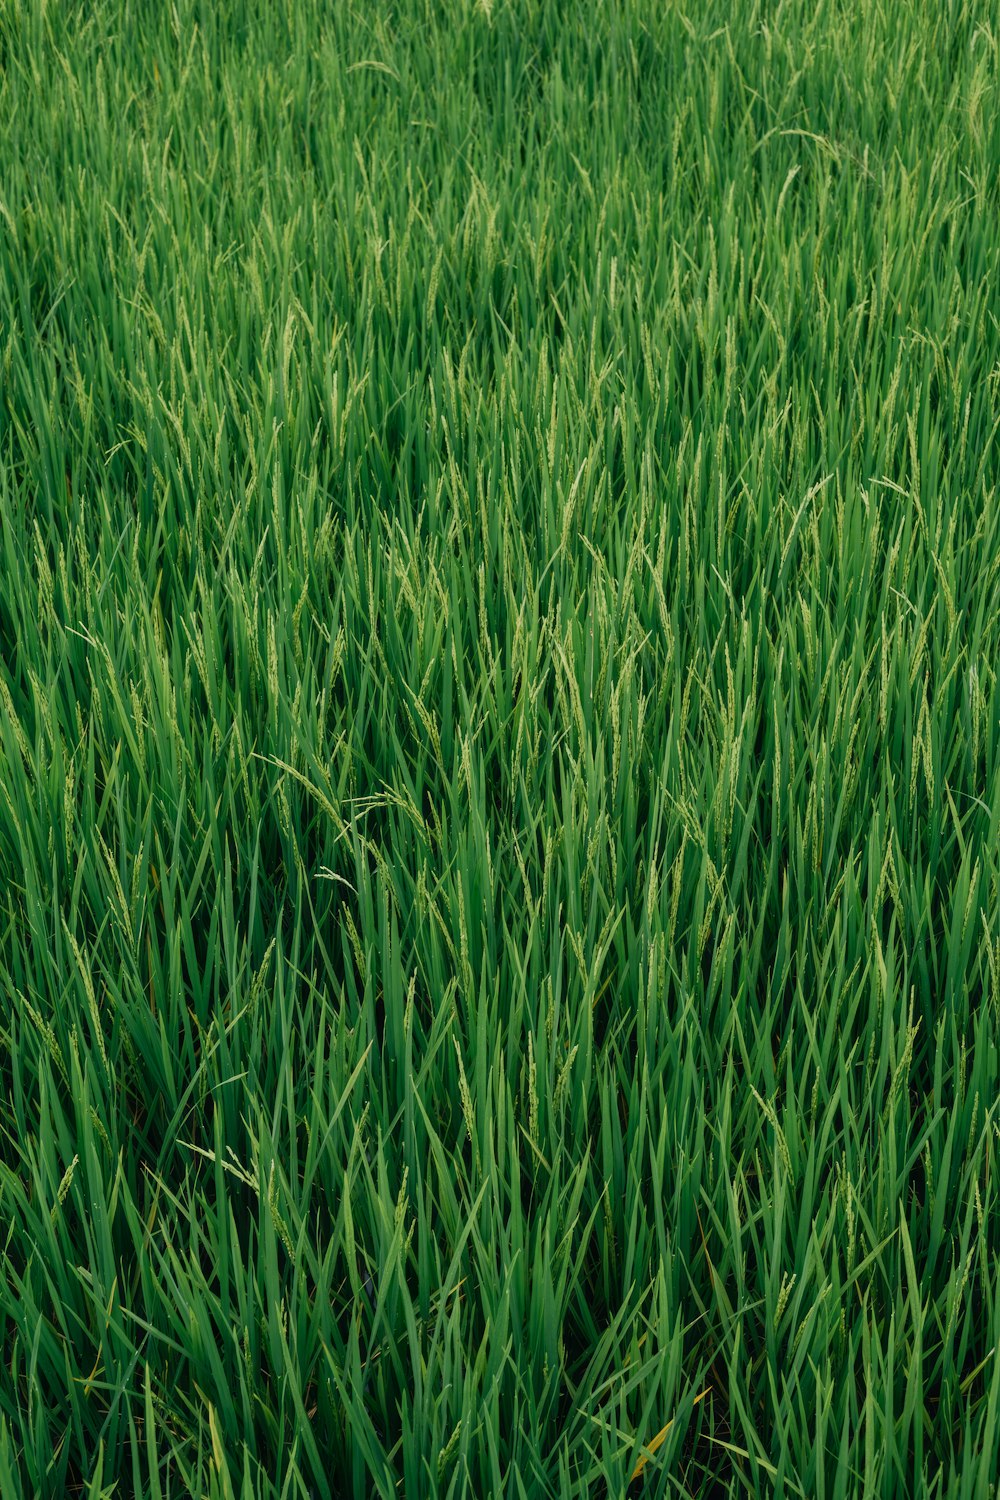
x: 499, y: 749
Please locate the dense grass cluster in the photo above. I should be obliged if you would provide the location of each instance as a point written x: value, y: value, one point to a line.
x: 499, y: 748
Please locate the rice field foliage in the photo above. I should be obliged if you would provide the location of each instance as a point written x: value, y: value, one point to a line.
x: 499, y: 749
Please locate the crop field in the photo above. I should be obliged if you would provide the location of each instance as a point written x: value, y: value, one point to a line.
x: 499, y: 749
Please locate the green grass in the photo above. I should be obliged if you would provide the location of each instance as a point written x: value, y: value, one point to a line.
x: 499, y: 749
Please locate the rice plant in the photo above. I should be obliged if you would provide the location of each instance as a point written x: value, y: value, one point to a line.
x: 499, y: 749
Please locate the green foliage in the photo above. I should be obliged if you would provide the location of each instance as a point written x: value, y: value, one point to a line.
x: 499, y: 749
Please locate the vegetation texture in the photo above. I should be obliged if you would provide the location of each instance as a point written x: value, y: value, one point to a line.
x: 499, y: 749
